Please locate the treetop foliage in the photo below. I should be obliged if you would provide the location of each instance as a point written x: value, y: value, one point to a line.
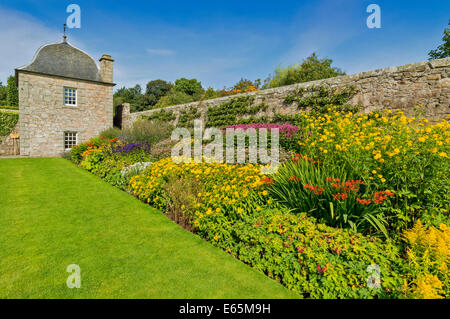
x: 442, y: 51
x: 160, y: 93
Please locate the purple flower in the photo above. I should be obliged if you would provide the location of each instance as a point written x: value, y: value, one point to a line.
x: 132, y: 148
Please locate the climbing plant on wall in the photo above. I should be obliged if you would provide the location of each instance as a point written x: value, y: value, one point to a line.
x: 165, y: 116
x: 233, y: 111
x: 188, y: 116
x: 320, y: 99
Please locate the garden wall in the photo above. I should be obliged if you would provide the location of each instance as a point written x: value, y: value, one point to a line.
x: 7, y: 147
x: 402, y: 88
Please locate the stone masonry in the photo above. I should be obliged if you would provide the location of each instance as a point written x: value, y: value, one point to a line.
x: 62, y: 91
x: 43, y: 117
x: 401, y: 88
x: 9, y: 146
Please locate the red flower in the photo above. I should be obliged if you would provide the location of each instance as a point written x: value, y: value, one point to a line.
x: 342, y: 196
x: 364, y: 201
x: 316, y: 190
x: 294, y: 179
x: 321, y: 270
x: 381, y: 196
x: 267, y: 180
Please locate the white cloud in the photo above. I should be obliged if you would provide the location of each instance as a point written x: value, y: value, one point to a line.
x: 163, y: 52
x: 20, y: 37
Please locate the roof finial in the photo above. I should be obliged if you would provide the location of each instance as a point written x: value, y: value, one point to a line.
x: 65, y: 37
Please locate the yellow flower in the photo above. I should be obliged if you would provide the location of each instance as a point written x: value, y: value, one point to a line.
x: 443, y: 154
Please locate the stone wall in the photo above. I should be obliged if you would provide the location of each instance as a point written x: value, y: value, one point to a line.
x: 43, y: 117
x: 402, y: 87
x: 8, y: 145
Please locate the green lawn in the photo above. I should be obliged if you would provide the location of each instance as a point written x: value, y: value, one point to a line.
x: 53, y: 214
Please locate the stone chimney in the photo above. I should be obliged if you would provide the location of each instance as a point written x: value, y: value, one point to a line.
x: 106, y: 68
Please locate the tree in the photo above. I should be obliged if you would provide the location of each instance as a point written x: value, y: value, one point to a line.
x: 129, y: 95
x: 245, y: 85
x: 174, y: 97
x: 12, y: 93
x: 3, y: 94
x: 190, y: 87
x: 156, y: 89
x: 311, y: 69
x: 442, y: 51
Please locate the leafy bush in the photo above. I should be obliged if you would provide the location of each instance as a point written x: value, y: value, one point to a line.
x: 311, y: 69
x: 316, y: 260
x: 8, y: 121
x: 151, y: 132
x: 174, y: 97
x: 110, y: 133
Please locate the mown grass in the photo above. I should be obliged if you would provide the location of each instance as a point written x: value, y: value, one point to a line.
x: 53, y: 214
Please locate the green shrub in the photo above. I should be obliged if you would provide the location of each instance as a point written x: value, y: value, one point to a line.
x: 311, y: 69
x: 151, y: 132
x: 110, y: 133
x: 316, y: 260
x: 8, y: 121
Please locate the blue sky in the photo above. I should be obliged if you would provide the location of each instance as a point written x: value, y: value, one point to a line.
x: 219, y: 42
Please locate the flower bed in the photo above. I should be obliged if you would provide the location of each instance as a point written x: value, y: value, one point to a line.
x: 387, y: 151
x: 362, y: 212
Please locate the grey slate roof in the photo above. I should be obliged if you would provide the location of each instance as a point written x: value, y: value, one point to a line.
x: 62, y: 59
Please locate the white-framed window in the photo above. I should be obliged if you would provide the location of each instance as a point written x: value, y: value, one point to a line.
x: 70, y: 96
x: 70, y: 140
